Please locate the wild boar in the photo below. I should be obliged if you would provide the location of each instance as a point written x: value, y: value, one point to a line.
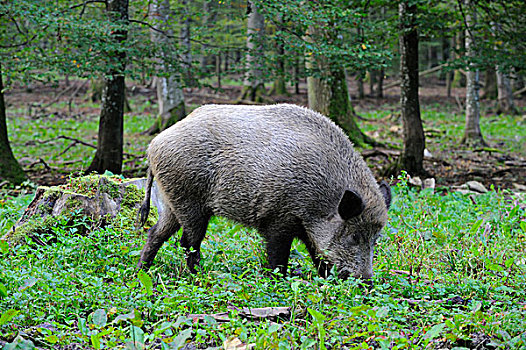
x: 287, y: 171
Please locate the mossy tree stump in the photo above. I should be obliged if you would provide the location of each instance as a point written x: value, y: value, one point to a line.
x: 85, y: 204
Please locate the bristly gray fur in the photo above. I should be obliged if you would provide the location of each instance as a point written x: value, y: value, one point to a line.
x: 285, y: 170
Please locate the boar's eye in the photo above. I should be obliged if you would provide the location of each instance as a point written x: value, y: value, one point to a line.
x: 350, y: 240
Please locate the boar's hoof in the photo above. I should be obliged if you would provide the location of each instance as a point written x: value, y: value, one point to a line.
x: 192, y: 260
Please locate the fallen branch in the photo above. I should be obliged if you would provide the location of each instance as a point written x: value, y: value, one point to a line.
x: 267, y: 313
x: 379, y: 152
x: 75, y: 142
x: 519, y: 92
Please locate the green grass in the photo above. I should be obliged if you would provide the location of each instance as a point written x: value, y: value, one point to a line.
x: 449, y: 268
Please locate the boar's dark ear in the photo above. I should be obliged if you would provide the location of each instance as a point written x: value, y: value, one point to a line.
x: 386, y: 192
x: 351, y: 205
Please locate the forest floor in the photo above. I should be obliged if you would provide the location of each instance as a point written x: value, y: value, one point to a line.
x: 501, y: 163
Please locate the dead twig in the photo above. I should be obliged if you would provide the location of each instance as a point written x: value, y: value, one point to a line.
x: 268, y: 313
x: 75, y: 142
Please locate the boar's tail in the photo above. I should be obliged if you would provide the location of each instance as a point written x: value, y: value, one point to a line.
x: 144, y: 210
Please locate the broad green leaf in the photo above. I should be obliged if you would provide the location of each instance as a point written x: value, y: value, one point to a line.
x: 181, y: 339
x: 476, y: 307
x: 20, y: 344
x: 295, y: 287
x: 318, y: 316
x: 434, y: 331
x: 8, y: 316
x: 100, y: 318
x: 95, y: 340
x: 494, y: 267
x: 3, y: 290
x: 476, y: 226
x: 146, y: 282
x: 382, y: 312
x: 509, y: 262
x: 137, y: 337
x: 273, y: 328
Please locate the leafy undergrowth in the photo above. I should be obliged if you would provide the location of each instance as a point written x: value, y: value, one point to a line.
x: 450, y: 271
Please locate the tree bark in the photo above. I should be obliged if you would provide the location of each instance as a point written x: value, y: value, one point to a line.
x: 412, y: 156
x: 10, y: 170
x: 329, y: 95
x: 380, y: 84
x: 110, y: 137
x: 279, y: 87
x: 170, y: 95
x: 472, y: 132
x: 209, y: 15
x: 186, y: 45
x: 505, y: 102
x: 253, y: 88
x: 490, y: 85
x: 458, y: 78
x: 359, y: 82
x: 446, y: 55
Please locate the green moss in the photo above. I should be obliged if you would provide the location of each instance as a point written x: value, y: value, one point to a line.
x: 41, y: 229
x: 129, y: 208
x: 80, y: 191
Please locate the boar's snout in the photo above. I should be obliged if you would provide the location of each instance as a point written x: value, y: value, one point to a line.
x: 366, y: 278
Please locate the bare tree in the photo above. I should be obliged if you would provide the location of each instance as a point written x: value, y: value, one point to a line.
x: 110, y: 137
x: 505, y: 103
x: 10, y: 170
x: 186, y: 44
x: 170, y: 95
x: 412, y: 156
x: 472, y: 132
x: 253, y: 88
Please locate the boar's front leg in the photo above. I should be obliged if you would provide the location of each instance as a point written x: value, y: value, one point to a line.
x: 278, y: 242
x: 194, y: 230
x: 323, y: 267
x: 157, y: 235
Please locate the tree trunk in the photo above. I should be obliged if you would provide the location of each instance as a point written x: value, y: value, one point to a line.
x: 359, y: 81
x: 472, y: 133
x: 372, y: 81
x: 209, y: 15
x: 459, y: 80
x: 380, y: 83
x: 218, y: 70
x: 446, y: 55
x: 490, y: 85
x: 297, y: 76
x: 505, y: 102
x: 278, y: 86
x: 412, y: 156
x: 253, y: 88
x: 10, y: 170
x: 110, y: 138
x: 170, y: 95
x: 329, y: 95
x: 186, y: 45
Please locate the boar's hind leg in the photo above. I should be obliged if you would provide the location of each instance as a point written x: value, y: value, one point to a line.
x: 157, y: 235
x: 194, y: 231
